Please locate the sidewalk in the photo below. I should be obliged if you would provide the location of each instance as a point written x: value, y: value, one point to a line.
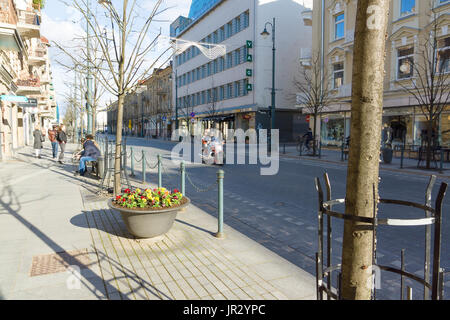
x: 50, y: 219
x: 334, y: 156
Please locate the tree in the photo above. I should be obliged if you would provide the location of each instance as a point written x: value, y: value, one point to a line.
x: 312, y: 94
x: 363, y: 167
x: 430, y: 84
x: 124, y: 49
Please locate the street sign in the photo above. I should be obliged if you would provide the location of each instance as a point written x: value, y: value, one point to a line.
x: 249, y: 87
x: 11, y: 98
x: 308, y: 118
x: 249, y: 72
x: 192, y: 114
x: 249, y: 44
x: 249, y: 58
x: 192, y: 120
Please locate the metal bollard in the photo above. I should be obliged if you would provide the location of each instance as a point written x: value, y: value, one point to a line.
x: 132, y: 162
x: 183, y: 178
x: 442, y: 161
x: 159, y: 172
x: 143, y: 167
x: 320, y: 150
x: 101, y: 166
x: 220, y: 176
x: 342, y: 151
x: 402, y: 157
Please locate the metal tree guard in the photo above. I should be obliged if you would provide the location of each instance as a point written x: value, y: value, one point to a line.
x: 433, y: 216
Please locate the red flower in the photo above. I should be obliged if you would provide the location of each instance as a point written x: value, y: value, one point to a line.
x: 142, y: 197
x: 118, y: 198
x: 123, y: 200
x: 127, y: 191
x: 175, y: 191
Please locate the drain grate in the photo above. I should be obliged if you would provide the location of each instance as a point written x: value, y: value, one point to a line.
x: 59, y: 262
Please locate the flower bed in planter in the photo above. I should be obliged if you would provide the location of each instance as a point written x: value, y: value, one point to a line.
x: 151, y: 212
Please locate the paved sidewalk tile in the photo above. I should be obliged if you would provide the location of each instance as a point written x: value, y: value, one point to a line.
x: 186, y: 263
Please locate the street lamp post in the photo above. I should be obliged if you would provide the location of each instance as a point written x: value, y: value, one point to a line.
x: 88, y: 77
x: 265, y: 34
x: 176, y: 99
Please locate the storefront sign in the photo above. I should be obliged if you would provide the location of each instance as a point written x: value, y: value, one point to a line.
x: 308, y: 118
x: 12, y: 98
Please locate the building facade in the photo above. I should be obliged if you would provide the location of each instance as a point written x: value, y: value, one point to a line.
x: 27, y: 94
x: 409, y: 26
x: 233, y: 90
x: 148, y: 111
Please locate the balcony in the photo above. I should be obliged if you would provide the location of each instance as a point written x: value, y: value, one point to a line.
x: 9, y: 38
x: 29, y: 86
x: 29, y: 24
x: 307, y: 17
x: 37, y: 57
x: 349, y: 39
x: 344, y: 91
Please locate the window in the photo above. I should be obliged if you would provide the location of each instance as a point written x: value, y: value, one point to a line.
x: 339, y: 26
x: 407, y: 7
x: 229, y: 29
x: 338, y: 75
x: 405, y: 63
x: 203, y: 97
x: 237, y: 89
x: 222, y: 93
x: 238, y: 24
x: 443, y: 55
x: 237, y: 57
x: 229, y: 91
x: 229, y: 60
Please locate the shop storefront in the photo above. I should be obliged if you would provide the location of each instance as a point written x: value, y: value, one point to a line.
x: 406, y: 126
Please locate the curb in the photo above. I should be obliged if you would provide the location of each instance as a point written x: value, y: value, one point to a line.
x: 381, y: 168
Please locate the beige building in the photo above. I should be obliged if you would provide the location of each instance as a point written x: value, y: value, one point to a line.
x: 148, y: 111
x: 410, y: 24
x: 27, y: 95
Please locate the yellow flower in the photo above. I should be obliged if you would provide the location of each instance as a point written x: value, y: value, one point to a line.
x: 149, y: 196
x: 138, y: 190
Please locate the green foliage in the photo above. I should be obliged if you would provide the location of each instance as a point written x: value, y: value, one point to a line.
x: 41, y: 3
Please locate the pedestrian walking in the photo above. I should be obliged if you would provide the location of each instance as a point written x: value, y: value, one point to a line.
x: 61, y: 137
x: 91, y: 152
x: 52, y: 133
x: 38, y: 141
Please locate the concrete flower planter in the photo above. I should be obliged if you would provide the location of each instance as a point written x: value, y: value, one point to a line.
x: 149, y: 223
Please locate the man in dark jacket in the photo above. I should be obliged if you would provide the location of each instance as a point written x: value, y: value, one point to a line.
x: 90, y: 152
x: 62, y: 140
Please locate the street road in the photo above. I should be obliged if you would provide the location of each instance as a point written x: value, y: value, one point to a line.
x: 280, y: 211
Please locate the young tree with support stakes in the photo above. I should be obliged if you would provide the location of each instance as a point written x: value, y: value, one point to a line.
x: 363, y: 164
x: 430, y: 80
x: 312, y: 93
x: 124, y: 48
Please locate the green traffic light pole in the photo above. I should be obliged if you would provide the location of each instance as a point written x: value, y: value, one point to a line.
x: 265, y: 33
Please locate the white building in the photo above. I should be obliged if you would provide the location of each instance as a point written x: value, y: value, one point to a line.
x: 234, y: 90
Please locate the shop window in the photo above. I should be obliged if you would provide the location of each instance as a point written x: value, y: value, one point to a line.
x: 443, y: 55
x: 338, y: 75
x: 405, y: 63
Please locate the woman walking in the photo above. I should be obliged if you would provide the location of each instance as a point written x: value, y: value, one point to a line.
x: 38, y: 140
x: 62, y: 140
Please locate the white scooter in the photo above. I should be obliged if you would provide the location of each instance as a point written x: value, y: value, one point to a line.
x: 212, y: 151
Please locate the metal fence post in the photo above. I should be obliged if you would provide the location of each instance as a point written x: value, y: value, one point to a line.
x: 143, y: 167
x: 183, y: 178
x: 402, y: 157
x: 159, y: 172
x: 132, y: 162
x: 220, y: 176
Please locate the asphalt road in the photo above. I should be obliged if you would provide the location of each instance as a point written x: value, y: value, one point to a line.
x: 280, y: 211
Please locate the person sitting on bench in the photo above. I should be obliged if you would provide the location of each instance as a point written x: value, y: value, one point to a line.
x: 90, y: 152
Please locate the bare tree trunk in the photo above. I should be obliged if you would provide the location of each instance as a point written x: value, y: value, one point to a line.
x: 429, y: 141
x: 117, y: 164
x: 363, y: 168
x: 316, y: 113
